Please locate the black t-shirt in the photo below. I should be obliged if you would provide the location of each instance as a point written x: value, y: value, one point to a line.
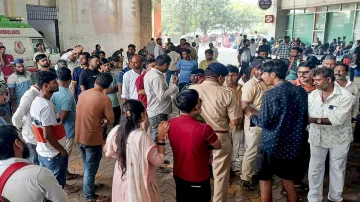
x: 357, y: 52
x: 88, y: 78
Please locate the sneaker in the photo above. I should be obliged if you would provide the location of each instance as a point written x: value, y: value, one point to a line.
x: 301, y: 185
x: 246, y: 185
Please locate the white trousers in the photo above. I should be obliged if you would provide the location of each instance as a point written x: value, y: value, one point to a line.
x: 337, y: 157
x: 237, y: 140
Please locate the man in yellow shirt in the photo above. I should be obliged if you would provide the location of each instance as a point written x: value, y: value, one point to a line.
x: 209, y: 54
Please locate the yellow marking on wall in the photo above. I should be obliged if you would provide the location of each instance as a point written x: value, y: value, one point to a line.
x: 12, y: 8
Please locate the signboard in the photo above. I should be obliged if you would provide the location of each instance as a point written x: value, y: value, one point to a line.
x: 269, y: 18
x: 265, y: 4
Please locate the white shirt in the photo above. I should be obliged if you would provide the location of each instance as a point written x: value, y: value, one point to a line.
x: 71, y: 65
x: 158, y: 50
x: 22, y: 119
x: 353, y: 89
x: 150, y: 47
x: 252, y: 48
x: 158, y: 93
x: 197, y: 41
x: 175, y: 58
x: 31, y: 183
x: 66, y: 55
x: 44, y: 113
x: 337, y: 108
x: 216, y: 53
x: 128, y: 85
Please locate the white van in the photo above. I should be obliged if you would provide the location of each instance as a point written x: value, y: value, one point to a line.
x: 20, y: 40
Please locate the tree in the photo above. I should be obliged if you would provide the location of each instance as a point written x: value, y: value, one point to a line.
x: 188, y: 15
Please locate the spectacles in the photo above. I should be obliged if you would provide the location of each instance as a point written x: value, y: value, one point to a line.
x: 303, y: 72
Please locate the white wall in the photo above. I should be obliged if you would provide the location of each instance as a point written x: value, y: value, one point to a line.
x: 47, y: 27
x: 111, y: 23
x: 291, y: 4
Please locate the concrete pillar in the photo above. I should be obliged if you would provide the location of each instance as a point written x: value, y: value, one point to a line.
x: 145, y: 22
x: 277, y: 29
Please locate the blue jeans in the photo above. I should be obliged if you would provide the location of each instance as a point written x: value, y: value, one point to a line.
x: 33, y: 157
x: 57, y: 165
x: 91, y: 156
x: 168, y: 75
x: 154, y: 123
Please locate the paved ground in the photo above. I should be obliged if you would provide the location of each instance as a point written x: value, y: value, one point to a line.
x: 235, y: 194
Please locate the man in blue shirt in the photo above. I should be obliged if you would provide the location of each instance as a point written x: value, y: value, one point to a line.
x: 283, y: 118
x: 65, y: 104
x: 84, y: 63
x: 18, y: 83
x: 185, y: 67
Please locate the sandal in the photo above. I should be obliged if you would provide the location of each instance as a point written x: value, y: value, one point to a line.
x: 99, y: 199
x: 70, y: 189
x: 73, y: 176
x: 246, y: 185
x: 99, y: 186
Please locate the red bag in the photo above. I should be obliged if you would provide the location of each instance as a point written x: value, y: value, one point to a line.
x: 7, y: 174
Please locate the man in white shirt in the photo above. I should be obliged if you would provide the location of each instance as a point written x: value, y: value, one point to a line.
x: 48, y: 129
x: 29, y: 183
x: 253, y: 47
x: 158, y: 50
x: 159, y: 93
x: 175, y: 58
x: 151, y: 46
x: 215, y: 50
x: 341, y: 72
x: 330, y: 131
x: 22, y: 120
x: 197, y: 41
x: 128, y: 86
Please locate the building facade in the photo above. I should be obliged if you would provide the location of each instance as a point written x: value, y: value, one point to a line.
x: 325, y: 19
x: 111, y: 23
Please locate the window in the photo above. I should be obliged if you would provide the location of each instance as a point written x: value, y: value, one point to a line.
x: 319, y: 34
x: 321, y: 9
x: 290, y: 21
x: 334, y: 8
x: 348, y: 7
x: 304, y: 27
x: 310, y: 10
x: 320, y: 19
x: 340, y: 24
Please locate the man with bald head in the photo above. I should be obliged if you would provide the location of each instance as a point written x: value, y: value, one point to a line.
x: 329, y: 62
x: 128, y: 85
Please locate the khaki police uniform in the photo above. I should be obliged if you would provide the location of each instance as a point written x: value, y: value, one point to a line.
x: 219, y: 106
x: 253, y: 92
x: 237, y: 133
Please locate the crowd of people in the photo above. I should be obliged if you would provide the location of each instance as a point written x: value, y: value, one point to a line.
x: 287, y: 114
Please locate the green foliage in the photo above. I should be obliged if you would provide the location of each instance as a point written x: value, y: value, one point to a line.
x: 188, y: 15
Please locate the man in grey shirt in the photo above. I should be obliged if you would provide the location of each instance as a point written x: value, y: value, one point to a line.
x: 159, y: 93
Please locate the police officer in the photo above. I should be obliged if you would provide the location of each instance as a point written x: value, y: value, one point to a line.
x: 220, y: 109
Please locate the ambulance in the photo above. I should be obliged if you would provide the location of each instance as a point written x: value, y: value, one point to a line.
x: 20, y: 40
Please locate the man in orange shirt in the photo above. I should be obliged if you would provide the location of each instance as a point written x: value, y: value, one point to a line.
x: 93, y: 113
x: 304, y: 77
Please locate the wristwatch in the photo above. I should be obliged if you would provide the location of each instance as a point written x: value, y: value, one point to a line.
x: 318, y: 121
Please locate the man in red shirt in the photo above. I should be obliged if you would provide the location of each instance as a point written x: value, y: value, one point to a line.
x: 139, y: 84
x: 5, y: 59
x: 191, y: 142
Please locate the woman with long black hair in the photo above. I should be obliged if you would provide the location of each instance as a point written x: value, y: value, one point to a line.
x: 137, y: 156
